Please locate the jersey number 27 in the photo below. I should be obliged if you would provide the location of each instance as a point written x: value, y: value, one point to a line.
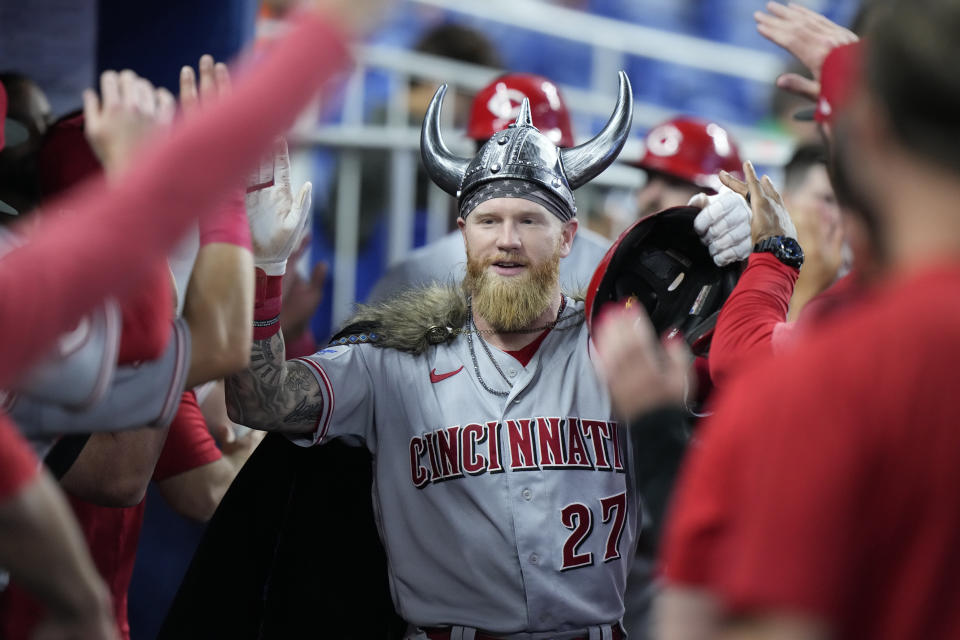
x: 578, y: 517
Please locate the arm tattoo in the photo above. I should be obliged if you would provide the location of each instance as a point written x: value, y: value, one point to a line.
x: 273, y: 394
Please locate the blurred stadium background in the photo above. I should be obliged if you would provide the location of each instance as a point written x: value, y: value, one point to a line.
x: 698, y: 57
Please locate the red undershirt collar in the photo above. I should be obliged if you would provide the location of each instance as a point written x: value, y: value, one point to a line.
x: 525, y: 354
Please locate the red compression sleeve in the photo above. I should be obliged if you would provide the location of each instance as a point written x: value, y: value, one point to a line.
x: 746, y: 323
x: 266, y: 305
x: 146, y: 318
x: 119, y: 232
x: 228, y: 224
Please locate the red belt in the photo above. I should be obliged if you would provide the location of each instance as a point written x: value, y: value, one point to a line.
x: 443, y: 633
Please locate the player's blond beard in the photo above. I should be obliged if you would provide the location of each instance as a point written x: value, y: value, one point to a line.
x: 511, y: 303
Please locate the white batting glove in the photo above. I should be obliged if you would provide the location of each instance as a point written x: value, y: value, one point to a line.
x: 277, y: 220
x: 723, y: 225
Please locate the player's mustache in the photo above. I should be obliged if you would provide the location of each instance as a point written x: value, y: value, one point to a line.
x: 509, y: 256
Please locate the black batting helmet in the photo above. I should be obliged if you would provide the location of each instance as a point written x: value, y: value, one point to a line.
x: 661, y: 263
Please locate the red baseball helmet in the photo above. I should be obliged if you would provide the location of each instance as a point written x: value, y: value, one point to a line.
x: 661, y: 263
x: 691, y: 149
x: 496, y: 106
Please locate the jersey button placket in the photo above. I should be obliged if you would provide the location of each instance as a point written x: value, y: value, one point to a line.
x: 520, y: 384
x: 527, y: 494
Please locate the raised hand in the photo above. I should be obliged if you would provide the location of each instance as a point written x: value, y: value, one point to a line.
x: 770, y: 217
x: 126, y: 113
x: 214, y: 83
x: 277, y: 220
x: 641, y: 373
x: 808, y: 36
x: 723, y: 225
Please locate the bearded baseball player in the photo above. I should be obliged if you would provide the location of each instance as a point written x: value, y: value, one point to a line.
x: 502, y: 484
x: 493, y: 109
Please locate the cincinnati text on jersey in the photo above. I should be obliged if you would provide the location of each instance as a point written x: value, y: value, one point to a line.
x: 526, y: 444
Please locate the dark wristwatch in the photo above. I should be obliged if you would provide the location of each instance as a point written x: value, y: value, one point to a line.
x: 786, y: 250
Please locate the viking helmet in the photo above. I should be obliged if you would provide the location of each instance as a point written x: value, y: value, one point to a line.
x: 522, y: 152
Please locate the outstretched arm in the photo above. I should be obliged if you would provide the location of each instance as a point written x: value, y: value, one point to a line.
x: 168, y: 187
x: 219, y: 295
x: 806, y: 34
x: 274, y: 394
x: 753, y: 319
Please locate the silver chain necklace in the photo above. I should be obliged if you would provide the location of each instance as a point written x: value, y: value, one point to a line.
x: 483, y: 343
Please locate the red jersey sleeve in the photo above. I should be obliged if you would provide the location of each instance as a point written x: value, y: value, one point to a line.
x: 18, y: 464
x: 189, y: 444
x: 746, y: 324
x: 120, y: 231
x: 146, y: 318
x: 228, y: 224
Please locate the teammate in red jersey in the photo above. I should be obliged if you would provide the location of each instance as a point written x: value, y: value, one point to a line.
x: 821, y: 501
x: 68, y: 266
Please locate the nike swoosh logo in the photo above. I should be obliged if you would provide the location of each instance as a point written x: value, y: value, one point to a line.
x: 437, y: 377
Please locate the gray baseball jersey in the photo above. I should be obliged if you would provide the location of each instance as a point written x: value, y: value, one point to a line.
x: 507, y: 514
x: 445, y: 261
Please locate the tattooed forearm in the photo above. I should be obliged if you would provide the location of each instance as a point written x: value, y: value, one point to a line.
x: 274, y: 394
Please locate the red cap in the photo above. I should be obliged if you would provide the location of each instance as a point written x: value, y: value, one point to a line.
x: 65, y: 157
x: 691, y: 149
x: 496, y: 106
x: 838, y: 79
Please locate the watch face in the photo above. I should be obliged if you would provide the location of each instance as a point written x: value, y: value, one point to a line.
x: 786, y: 250
x: 792, y: 253
x: 791, y: 247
